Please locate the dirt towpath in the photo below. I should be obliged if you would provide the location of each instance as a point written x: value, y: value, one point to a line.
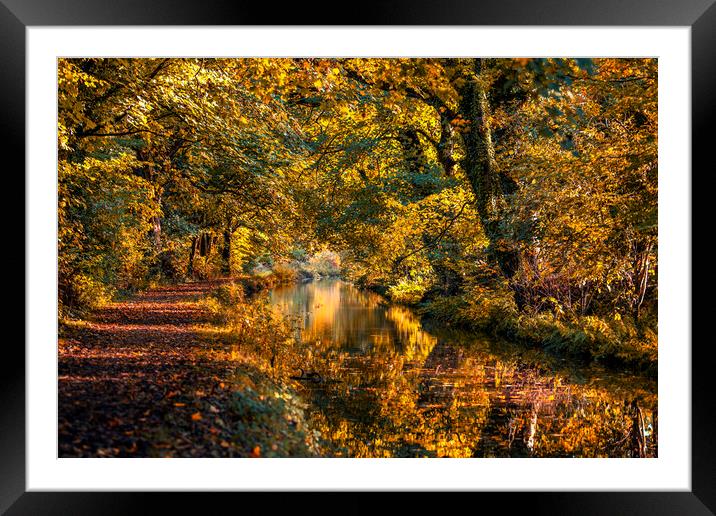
x: 133, y: 380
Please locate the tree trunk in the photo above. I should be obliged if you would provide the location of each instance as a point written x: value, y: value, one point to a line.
x: 479, y: 161
x: 481, y: 169
x: 640, y: 280
x: 446, y: 146
x: 655, y: 432
x: 192, y: 252
x: 415, y: 160
x: 637, y: 437
x: 226, y: 253
x: 157, y: 233
x: 206, y: 241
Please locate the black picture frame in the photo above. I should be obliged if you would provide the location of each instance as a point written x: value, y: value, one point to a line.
x: 700, y: 15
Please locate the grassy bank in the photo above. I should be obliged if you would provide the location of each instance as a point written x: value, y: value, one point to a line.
x: 207, y: 376
x: 616, y: 342
x: 246, y: 333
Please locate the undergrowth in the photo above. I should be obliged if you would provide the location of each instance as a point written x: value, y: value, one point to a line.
x: 613, y: 341
x: 245, y: 331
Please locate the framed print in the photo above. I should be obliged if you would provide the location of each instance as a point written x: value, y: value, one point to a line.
x: 266, y: 251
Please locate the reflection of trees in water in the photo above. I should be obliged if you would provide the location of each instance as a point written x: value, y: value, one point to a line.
x: 543, y: 417
x: 521, y: 400
x: 414, y: 342
x: 393, y: 389
x: 435, y: 388
x: 388, y: 407
x: 337, y: 313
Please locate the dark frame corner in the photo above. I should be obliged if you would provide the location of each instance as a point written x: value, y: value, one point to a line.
x: 700, y: 15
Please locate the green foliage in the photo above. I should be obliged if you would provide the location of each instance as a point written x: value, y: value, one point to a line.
x: 256, y: 417
x: 103, y: 220
x: 230, y: 294
x: 299, y: 254
x: 408, y: 291
x: 88, y: 293
x: 284, y: 274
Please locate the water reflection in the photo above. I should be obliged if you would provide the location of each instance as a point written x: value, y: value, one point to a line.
x: 344, y: 317
x: 392, y: 389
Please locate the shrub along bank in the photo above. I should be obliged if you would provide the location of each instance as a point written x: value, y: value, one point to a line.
x: 616, y: 341
x: 245, y: 331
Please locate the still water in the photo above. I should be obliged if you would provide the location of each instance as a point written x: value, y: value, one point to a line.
x: 392, y: 386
